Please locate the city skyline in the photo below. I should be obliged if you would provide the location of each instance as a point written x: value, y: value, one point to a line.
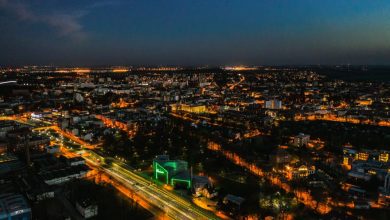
x: 194, y: 33
x: 195, y: 109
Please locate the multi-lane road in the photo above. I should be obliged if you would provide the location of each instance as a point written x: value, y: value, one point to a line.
x: 174, y: 206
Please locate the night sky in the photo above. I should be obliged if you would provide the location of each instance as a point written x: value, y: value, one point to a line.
x: 194, y: 32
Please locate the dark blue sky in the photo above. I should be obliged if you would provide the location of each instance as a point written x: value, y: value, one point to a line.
x: 194, y: 32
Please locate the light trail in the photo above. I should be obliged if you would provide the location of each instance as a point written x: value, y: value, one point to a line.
x: 103, y: 177
x: 166, y: 200
x: 174, y: 206
x: 8, y: 82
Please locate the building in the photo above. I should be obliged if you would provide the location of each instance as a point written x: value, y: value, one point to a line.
x: 273, y: 104
x: 301, y: 140
x: 59, y: 176
x: 384, y: 156
x: 349, y: 152
x: 359, y: 175
x: 203, y: 187
x: 363, y: 155
x: 233, y: 202
x: 194, y: 108
x: 172, y: 172
x: 384, y: 195
x: 5, y: 127
x: 14, y: 206
x: 302, y: 171
x: 73, y: 161
x: 349, y: 155
x: 9, y: 162
x: 76, y: 161
x: 361, y: 205
x: 87, y: 208
x: 366, y: 161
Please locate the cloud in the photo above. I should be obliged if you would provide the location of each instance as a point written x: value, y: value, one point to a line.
x: 98, y: 4
x: 66, y: 24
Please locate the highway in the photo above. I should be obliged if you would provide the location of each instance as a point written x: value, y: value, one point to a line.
x: 174, y: 206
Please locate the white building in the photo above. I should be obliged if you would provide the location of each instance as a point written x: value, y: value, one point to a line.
x: 75, y: 161
x: 86, y: 208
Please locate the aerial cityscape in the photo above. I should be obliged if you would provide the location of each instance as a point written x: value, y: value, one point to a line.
x: 194, y: 109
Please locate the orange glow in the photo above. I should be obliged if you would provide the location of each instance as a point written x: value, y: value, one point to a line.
x: 68, y: 135
x: 283, y: 147
x: 120, y: 70
x: 118, y: 125
x: 302, y: 196
x: 221, y: 215
x: 240, y: 68
x: 232, y: 86
x: 201, y: 204
x: 364, y: 102
x: 252, y: 134
x: 122, y: 104
x: 168, y: 187
x: 77, y: 70
x: 333, y: 117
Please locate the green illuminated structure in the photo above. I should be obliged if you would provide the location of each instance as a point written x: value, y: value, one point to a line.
x: 160, y: 170
x: 172, y: 172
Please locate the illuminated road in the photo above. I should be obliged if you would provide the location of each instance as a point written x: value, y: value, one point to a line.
x: 172, y: 205
x: 302, y: 196
x: 341, y: 119
x: 65, y: 134
x: 242, y: 79
x: 8, y: 82
x: 118, y: 125
x: 21, y: 120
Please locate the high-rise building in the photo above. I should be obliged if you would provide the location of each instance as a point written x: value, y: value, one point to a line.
x: 14, y: 206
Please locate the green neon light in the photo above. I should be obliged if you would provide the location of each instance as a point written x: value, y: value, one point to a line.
x: 161, y: 171
x: 171, y: 164
x: 180, y: 180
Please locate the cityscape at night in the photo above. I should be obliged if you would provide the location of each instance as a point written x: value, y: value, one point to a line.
x: 189, y: 109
